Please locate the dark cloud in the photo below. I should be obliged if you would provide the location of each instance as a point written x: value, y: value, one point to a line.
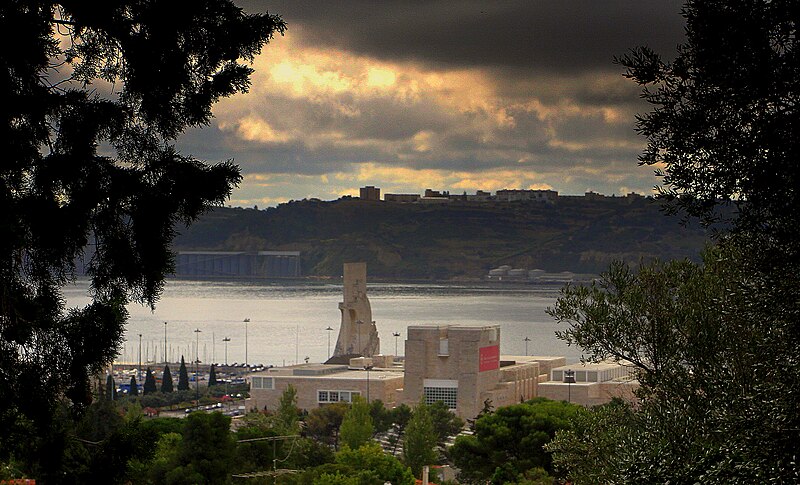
x: 523, y: 36
x: 516, y: 92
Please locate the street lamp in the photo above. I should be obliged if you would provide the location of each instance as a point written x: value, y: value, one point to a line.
x: 569, y: 378
x: 246, y: 321
x: 526, y: 345
x: 358, y: 332
x: 139, y: 367
x: 165, y: 343
x: 196, y: 365
x: 329, y: 330
x: 395, y: 335
x: 226, y: 340
x: 368, y: 368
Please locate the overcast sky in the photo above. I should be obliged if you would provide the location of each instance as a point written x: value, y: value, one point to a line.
x: 449, y: 95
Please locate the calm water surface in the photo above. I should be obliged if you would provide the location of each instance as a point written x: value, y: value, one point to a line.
x: 288, y: 320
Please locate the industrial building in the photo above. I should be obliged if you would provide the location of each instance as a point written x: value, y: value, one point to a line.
x: 238, y: 264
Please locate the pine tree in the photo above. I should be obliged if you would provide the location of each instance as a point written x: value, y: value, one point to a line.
x: 356, y: 429
x: 166, y: 380
x: 419, y: 440
x: 212, y: 376
x: 134, y: 388
x: 183, y: 377
x: 149, y: 383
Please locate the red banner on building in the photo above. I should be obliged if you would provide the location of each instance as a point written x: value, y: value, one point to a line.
x: 490, y: 358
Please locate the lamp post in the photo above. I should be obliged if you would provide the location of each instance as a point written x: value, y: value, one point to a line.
x: 358, y: 332
x: 165, y: 344
x: 526, y: 345
x: 226, y: 340
x: 329, y: 330
x: 246, y: 321
x: 395, y: 335
x: 196, y: 365
x: 368, y: 368
x: 569, y: 378
x: 139, y: 367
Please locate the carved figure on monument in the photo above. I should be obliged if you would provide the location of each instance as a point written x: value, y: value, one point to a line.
x: 357, y: 333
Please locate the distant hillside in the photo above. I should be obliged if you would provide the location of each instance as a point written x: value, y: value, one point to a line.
x: 460, y: 240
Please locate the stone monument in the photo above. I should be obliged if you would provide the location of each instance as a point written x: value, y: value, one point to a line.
x: 357, y: 333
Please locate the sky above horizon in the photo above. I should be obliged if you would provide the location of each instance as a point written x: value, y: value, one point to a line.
x: 449, y: 95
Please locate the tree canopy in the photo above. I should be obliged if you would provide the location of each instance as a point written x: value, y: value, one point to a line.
x: 716, y: 345
x: 94, y: 95
x: 724, y: 121
x: 356, y: 428
x: 419, y: 440
x: 509, y: 442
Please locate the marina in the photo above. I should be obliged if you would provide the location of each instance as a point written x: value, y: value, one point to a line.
x: 287, y: 321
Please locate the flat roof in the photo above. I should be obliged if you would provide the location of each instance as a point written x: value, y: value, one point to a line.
x: 591, y: 366
x: 328, y: 371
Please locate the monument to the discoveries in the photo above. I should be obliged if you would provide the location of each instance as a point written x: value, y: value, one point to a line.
x: 357, y: 333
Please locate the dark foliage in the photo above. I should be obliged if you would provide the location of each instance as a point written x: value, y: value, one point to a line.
x: 509, y: 441
x: 111, y: 388
x: 166, y: 380
x: 134, y: 387
x: 150, y: 385
x: 212, y: 376
x: 716, y: 344
x: 183, y: 377
x: 115, y: 209
x: 724, y: 122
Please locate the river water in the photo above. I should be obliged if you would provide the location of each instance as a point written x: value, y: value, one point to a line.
x: 288, y: 321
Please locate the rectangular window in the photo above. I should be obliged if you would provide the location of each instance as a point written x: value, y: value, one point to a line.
x: 334, y: 396
x: 444, y: 347
x: 262, y: 383
x: 558, y: 375
x: 322, y: 396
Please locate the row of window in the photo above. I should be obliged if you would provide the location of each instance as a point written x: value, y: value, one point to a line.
x: 336, y: 396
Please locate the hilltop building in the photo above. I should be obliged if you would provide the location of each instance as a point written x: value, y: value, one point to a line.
x: 512, y: 195
x: 401, y: 198
x: 370, y: 193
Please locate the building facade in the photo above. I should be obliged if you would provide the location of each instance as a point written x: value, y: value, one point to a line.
x: 461, y: 366
x: 369, y: 193
x: 590, y: 384
x: 321, y: 384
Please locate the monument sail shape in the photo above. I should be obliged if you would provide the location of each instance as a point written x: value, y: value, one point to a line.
x: 357, y: 333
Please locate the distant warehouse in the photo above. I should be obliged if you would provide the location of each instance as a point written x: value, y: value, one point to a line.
x: 238, y: 264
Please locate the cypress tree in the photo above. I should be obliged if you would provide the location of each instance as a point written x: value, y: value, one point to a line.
x: 212, y: 376
x: 134, y: 389
x: 166, y: 380
x: 149, y: 383
x: 183, y: 377
x: 111, y: 388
